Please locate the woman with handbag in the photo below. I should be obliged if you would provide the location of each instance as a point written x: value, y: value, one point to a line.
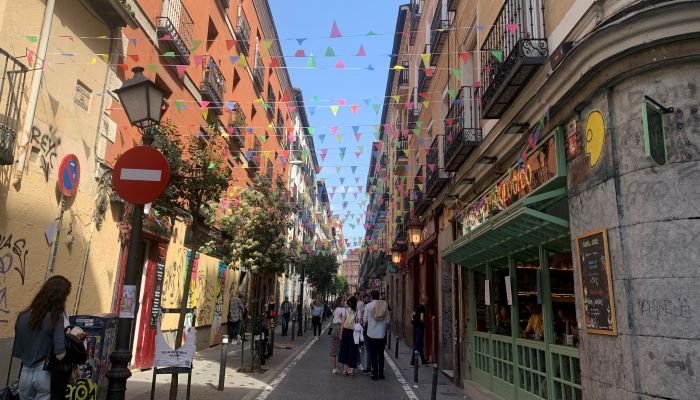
x: 349, y: 353
x: 40, y: 337
x: 335, y: 331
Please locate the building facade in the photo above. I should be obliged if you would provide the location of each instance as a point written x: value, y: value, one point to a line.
x: 350, y: 270
x: 545, y: 136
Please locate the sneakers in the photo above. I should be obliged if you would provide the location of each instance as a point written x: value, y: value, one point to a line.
x: 335, y: 371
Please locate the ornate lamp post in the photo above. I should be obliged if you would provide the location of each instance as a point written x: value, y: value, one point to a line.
x: 415, y: 233
x: 143, y: 102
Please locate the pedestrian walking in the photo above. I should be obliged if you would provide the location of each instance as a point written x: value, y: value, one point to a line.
x: 376, y: 318
x: 235, y: 315
x: 40, y: 339
x: 366, y: 299
x: 348, y: 353
x: 418, y: 321
x: 335, y: 331
x: 286, y: 309
x: 316, y: 313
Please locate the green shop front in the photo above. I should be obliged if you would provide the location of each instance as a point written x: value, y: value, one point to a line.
x: 516, y: 247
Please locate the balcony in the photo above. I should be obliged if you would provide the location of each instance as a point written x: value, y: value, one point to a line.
x: 420, y: 202
x: 403, y: 75
x: 115, y: 13
x: 243, y: 35
x: 213, y: 86
x: 11, y: 91
x: 464, y: 133
x: 174, y: 30
x: 437, y: 176
x: 401, y: 161
x: 255, y: 154
x: 439, y: 31
x: 416, y: 11
x: 259, y: 72
x: 519, y: 33
x: 425, y: 74
x: 270, y: 101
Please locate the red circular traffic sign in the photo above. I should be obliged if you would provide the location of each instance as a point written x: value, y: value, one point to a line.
x: 141, y: 175
x: 69, y: 175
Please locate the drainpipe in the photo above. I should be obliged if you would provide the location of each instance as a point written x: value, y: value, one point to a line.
x: 34, y: 91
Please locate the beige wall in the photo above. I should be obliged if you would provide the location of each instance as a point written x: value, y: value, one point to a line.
x: 61, y: 127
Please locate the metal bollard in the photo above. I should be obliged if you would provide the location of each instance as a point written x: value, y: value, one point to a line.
x: 242, y: 346
x: 222, y: 364
x: 388, y: 335
x: 416, y: 357
x: 396, y: 348
x: 433, y: 393
x: 294, y: 324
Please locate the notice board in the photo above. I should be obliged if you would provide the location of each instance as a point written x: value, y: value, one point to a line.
x: 596, y: 282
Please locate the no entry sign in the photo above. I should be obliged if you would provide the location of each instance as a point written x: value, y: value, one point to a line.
x: 69, y: 175
x: 141, y: 175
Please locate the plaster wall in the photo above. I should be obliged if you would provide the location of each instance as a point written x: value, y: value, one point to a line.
x: 652, y: 221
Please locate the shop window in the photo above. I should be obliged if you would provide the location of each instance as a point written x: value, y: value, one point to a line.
x: 482, y: 310
x: 561, y: 272
x: 530, y: 317
x: 654, y: 131
x: 501, y: 309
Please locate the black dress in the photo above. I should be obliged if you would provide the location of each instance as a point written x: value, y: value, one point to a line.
x: 348, y: 353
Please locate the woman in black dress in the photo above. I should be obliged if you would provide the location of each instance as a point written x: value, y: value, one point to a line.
x: 348, y: 354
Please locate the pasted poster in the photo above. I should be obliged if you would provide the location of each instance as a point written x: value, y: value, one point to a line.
x: 596, y: 282
x: 157, y: 293
x: 220, y: 287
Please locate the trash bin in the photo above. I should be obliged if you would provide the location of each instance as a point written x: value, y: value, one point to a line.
x: 101, y: 330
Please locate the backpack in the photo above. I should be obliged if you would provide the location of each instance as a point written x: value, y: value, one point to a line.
x: 349, y: 320
x: 379, y: 310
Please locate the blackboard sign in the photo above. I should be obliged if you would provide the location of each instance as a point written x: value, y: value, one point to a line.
x: 596, y: 282
x: 157, y: 289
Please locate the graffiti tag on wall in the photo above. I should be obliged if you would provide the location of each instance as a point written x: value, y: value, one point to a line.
x: 47, y: 144
x: 13, y: 258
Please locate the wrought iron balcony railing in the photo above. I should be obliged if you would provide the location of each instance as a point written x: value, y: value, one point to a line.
x: 439, y: 30
x: 437, y: 176
x: 255, y: 154
x: 271, y: 101
x: 403, y: 75
x: 243, y: 35
x: 515, y: 47
x: 12, y: 81
x: 174, y: 29
x: 416, y: 11
x: 420, y: 201
x: 214, y: 86
x: 259, y: 71
x: 462, y: 128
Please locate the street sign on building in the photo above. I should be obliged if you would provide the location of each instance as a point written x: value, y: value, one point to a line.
x: 141, y: 175
x: 69, y: 175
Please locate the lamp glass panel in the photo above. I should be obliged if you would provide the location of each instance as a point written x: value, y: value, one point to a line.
x: 396, y: 257
x: 155, y: 103
x: 134, y: 101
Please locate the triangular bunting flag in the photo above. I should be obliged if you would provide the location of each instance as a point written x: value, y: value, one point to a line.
x: 335, y: 32
x: 330, y: 52
x: 361, y: 52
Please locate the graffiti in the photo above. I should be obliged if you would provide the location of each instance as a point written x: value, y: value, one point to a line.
x: 205, y: 302
x: 13, y: 257
x: 81, y: 389
x: 15, y: 250
x: 172, y: 283
x: 47, y: 145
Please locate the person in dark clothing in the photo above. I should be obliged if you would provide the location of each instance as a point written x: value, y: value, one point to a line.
x: 286, y: 310
x: 418, y: 321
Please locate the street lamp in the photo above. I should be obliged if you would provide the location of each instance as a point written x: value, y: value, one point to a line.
x: 415, y: 231
x: 142, y: 100
x: 396, y: 254
x: 304, y: 257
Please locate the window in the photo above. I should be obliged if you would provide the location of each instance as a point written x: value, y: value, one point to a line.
x: 83, y: 94
x: 654, y: 131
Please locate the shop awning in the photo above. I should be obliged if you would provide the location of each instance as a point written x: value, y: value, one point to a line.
x: 518, y: 230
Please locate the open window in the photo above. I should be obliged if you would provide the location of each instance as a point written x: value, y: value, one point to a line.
x: 655, y: 145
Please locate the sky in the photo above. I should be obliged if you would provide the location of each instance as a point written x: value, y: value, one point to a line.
x: 338, y: 75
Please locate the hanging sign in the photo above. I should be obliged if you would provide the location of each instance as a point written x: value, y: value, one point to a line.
x: 530, y: 172
x: 596, y: 283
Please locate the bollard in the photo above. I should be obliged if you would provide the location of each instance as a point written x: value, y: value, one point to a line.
x: 433, y: 393
x: 294, y: 323
x: 242, y: 343
x: 388, y: 335
x: 416, y: 357
x: 222, y: 364
x: 306, y: 323
x: 396, y: 348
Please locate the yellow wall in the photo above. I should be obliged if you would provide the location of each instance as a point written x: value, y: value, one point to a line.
x: 61, y: 127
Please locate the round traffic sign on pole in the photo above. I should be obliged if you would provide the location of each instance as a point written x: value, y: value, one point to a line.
x: 141, y: 175
x: 69, y: 175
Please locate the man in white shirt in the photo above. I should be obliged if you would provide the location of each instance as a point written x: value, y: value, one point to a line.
x: 376, y: 316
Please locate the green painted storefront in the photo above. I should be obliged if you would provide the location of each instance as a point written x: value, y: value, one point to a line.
x: 526, y: 233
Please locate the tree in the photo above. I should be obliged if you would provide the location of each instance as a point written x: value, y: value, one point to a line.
x: 320, y: 270
x: 199, y: 176
x: 339, y: 286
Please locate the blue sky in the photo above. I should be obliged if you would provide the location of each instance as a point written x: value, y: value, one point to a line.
x: 310, y: 21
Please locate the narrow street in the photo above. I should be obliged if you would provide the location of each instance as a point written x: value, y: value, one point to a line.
x: 298, y: 370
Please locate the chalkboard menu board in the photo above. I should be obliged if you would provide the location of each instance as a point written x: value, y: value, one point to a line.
x: 596, y: 281
x: 157, y: 289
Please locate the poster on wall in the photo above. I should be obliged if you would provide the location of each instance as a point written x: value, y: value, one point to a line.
x: 596, y: 283
x: 220, y: 284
